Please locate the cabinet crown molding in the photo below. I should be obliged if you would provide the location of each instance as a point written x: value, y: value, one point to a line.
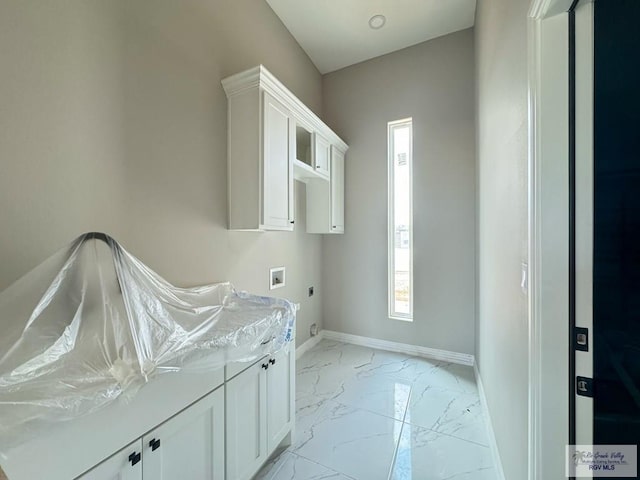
x: 260, y: 77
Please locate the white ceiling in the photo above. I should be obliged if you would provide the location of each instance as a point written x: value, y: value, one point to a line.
x: 336, y: 33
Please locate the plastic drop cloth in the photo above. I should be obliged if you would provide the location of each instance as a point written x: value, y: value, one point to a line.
x: 93, y: 323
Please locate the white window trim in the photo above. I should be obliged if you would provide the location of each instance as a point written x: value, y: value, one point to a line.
x: 391, y: 225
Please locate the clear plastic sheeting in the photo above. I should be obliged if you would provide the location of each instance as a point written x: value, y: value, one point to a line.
x: 93, y: 323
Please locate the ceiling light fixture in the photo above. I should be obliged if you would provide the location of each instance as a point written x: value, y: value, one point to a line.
x: 377, y: 21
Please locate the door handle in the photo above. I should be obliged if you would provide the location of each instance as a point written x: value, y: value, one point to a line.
x: 272, y: 361
x: 154, y: 444
x: 265, y: 366
x: 135, y: 458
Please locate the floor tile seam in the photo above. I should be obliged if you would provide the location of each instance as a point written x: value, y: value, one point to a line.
x: 404, y: 356
x: 363, y: 375
x: 418, y: 387
x: 281, y: 464
x: 333, y: 469
x: 395, y: 452
x: 366, y: 410
x: 446, y: 434
x: 397, y: 447
x: 414, y: 382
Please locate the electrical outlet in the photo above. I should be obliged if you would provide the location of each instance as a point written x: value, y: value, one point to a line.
x: 311, y: 291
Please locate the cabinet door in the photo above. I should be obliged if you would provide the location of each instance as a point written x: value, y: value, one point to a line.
x: 280, y: 396
x: 246, y: 405
x: 124, y: 465
x: 277, y: 166
x: 190, y: 445
x: 322, y: 151
x: 337, y: 190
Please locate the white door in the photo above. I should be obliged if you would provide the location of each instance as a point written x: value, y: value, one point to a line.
x: 322, y: 152
x: 277, y: 166
x: 124, y: 465
x: 246, y: 404
x: 337, y: 190
x: 190, y: 445
x: 280, y: 396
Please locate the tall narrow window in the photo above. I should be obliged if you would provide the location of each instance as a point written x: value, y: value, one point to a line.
x: 400, y: 140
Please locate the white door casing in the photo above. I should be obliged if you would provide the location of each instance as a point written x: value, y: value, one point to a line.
x: 584, y: 91
x: 548, y: 59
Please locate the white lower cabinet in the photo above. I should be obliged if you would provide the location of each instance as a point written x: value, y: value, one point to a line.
x: 124, y: 465
x: 189, y: 445
x: 247, y: 421
x: 260, y: 413
x: 228, y: 434
x: 280, y: 397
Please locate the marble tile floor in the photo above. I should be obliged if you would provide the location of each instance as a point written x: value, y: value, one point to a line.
x: 365, y: 414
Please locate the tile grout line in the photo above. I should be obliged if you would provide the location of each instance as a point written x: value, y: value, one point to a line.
x: 277, y: 460
x: 324, y: 466
x: 447, y: 435
x: 395, y: 452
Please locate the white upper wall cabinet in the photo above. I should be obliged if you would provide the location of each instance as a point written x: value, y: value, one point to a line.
x: 277, y: 166
x: 337, y: 191
x: 322, y: 149
x: 273, y: 139
x: 325, y: 200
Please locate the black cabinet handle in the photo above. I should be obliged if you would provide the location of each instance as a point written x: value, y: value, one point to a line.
x: 265, y: 365
x: 292, y: 221
x: 272, y: 361
x: 154, y: 444
x: 135, y: 458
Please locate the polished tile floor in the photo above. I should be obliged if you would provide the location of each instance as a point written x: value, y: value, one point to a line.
x: 365, y: 414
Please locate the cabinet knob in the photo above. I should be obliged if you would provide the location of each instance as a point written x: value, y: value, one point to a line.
x: 154, y: 444
x: 292, y: 221
x: 265, y: 365
x: 135, y: 458
x: 272, y: 361
x: 334, y: 227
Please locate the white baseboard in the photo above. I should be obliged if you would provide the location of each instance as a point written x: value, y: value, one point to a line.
x: 415, y: 350
x: 493, y: 445
x: 309, y: 344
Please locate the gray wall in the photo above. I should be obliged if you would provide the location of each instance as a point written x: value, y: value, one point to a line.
x: 112, y: 118
x: 501, y: 344
x: 433, y: 83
